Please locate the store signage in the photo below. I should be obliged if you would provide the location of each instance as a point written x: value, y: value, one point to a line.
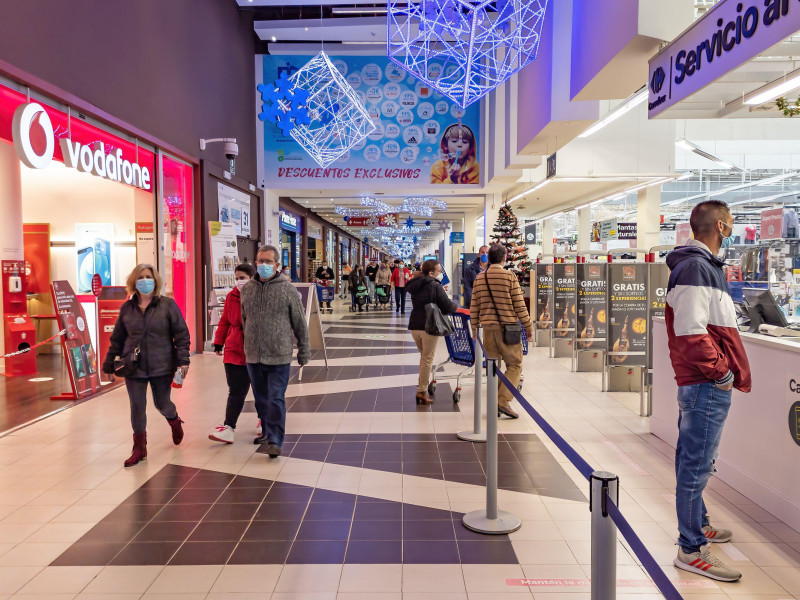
x: 727, y: 36
x: 456, y: 237
x: 288, y: 222
x: 89, y: 159
x: 626, y: 231
x: 382, y: 221
x: 544, y: 296
x: 564, y: 299
x: 627, y: 314
x: 590, y: 282
x: 794, y: 418
x: 772, y: 224
x: 530, y: 233
x: 608, y: 230
x: 657, y: 282
x: 97, y: 284
x: 314, y: 230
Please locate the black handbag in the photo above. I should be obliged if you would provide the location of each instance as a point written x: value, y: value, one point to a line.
x: 435, y: 322
x: 512, y: 333
x: 125, y: 366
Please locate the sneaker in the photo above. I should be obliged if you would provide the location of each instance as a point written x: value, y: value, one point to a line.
x: 717, y: 536
x: 222, y: 433
x: 706, y: 564
x: 259, y: 431
x: 273, y: 450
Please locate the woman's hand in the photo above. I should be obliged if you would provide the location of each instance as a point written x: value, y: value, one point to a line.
x: 184, y: 369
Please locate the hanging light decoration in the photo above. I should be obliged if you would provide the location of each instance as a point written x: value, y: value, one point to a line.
x: 318, y: 108
x: 464, y: 48
x: 373, y: 208
x: 422, y: 206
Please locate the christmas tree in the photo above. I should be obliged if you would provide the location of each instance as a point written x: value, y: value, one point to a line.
x: 508, y: 233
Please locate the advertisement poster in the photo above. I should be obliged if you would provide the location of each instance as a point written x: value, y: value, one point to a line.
x: 657, y: 283
x: 590, y: 281
x: 94, y: 243
x: 544, y: 296
x: 382, y: 221
x: 564, y: 299
x: 608, y: 230
x: 145, y: 244
x: 109, y: 303
x: 626, y: 231
x: 36, y: 241
x: 234, y: 207
x: 421, y: 137
x: 772, y: 224
x: 224, y: 254
x: 82, y: 361
x: 627, y: 313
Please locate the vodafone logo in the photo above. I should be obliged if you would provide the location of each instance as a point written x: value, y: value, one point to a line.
x: 89, y: 159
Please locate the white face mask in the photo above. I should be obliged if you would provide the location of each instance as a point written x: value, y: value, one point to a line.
x: 440, y: 276
x: 240, y: 283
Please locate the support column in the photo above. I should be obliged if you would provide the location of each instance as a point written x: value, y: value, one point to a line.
x: 11, y: 245
x: 271, y: 207
x: 648, y: 217
x: 491, y: 208
x: 547, y: 237
x: 584, y: 229
x: 471, y: 231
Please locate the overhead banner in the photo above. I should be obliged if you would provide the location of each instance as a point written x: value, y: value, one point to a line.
x: 627, y: 314
x: 382, y: 221
x: 564, y: 299
x: 772, y: 224
x: 544, y: 296
x: 421, y: 137
x: 727, y: 36
x: 234, y: 207
x: 590, y: 282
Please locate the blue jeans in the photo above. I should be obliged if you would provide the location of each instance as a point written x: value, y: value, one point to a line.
x: 703, y: 410
x: 269, y: 388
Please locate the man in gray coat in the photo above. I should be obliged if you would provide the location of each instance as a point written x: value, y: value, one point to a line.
x: 272, y: 314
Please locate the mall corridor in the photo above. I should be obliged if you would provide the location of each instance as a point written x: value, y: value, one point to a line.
x: 366, y: 501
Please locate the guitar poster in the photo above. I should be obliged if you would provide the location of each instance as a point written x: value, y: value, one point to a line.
x: 564, y: 300
x: 627, y: 314
x: 590, y: 298
x: 544, y: 296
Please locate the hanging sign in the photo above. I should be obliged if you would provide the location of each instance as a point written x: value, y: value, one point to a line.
x: 456, y: 237
x: 544, y: 296
x: 564, y: 299
x: 627, y: 314
x: 608, y: 230
x: 772, y: 224
x: 590, y: 283
x: 314, y: 230
x: 626, y: 231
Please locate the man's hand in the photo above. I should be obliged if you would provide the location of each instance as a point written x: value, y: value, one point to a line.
x: 725, y: 388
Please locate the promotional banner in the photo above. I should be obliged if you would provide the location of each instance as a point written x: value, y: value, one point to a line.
x: 234, y: 207
x: 608, y: 230
x: 590, y: 282
x: 657, y: 282
x: 564, y: 299
x: 421, y: 137
x: 224, y: 254
x: 382, y: 221
x: 772, y: 224
x: 544, y: 296
x: 36, y: 241
x: 82, y: 362
x: 94, y: 243
x: 109, y: 303
x: 627, y: 313
x: 145, y: 244
x: 626, y: 231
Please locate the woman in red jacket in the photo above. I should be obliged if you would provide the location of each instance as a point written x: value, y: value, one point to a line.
x: 230, y: 336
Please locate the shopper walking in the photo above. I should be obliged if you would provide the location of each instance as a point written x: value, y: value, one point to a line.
x: 479, y: 265
x: 346, y: 270
x: 496, y: 301
x: 709, y: 360
x: 400, y: 277
x: 152, y: 339
x: 426, y: 288
x: 372, y: 272
x: 357, y: 279
x: 272, y: 315
x: 324, y: 275
x: 230, y: 338
x: 384, y: 275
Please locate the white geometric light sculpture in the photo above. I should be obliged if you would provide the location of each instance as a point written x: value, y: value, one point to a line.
x: 464, y: 48
x: 336, y: 119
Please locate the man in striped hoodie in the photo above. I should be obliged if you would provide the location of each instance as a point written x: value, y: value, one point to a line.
x: 709, y: 361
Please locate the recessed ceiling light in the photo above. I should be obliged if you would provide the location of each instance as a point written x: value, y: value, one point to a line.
x: 306, y: 27
x: 274, y: 39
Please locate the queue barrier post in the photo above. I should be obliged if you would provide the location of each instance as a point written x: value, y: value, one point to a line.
x: 477, y: 434
x: 604, y: 536
x: 491, y: 520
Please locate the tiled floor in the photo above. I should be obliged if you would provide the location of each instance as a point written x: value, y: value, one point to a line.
x: 366, y: 501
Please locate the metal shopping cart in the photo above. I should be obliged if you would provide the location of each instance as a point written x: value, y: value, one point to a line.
x: 325, y: 293
x: 460, y: 350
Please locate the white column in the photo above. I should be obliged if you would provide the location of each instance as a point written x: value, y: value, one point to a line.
x: 584, y: 229
x: 11, y: 245
x: 271, y: 219
x: 471, y: 231
x: 547, y: 236
x: 648, y: 217
x: 491, y: 208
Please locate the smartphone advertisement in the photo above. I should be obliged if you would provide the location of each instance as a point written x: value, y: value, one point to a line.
x: 94, y: 248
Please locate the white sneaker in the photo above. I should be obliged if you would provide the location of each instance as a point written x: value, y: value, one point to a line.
x: 222, y: 433
x: 258, y: 428
x: 706, y: 564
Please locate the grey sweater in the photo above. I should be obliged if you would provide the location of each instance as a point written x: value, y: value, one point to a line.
x: 271, y: 314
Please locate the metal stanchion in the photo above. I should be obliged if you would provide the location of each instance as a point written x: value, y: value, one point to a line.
x: 604, y: 536
x: 476, y: 435
x: 491, y: 520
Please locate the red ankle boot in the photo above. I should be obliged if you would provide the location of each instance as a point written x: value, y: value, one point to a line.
x: 139, y: 449
x: 177, y: 430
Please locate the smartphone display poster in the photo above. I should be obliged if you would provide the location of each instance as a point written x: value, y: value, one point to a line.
x: 94, y: 248
x: 79, y: 353
x: 224, y: 254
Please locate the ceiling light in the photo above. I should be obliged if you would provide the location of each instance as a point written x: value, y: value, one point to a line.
x: 538, y: 186
x: 763, y: 199
x: 620, y: 110
x: 774, y: 90
x: 687, y: 145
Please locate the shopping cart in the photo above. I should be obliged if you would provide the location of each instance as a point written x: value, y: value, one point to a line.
x: 383, y: 297
x: 460, y: 350
x: 325, y: 293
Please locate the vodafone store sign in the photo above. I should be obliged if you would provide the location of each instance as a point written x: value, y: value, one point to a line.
x: 90, y: 158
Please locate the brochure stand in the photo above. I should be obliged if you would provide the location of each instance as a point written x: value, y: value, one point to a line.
x: 657, y: 281
x: 562, y: 340
x: 316, y: 339
x: 544, y: 302
x: 591, y: 322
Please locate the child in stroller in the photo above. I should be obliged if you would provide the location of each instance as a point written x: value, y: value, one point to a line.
x: 360, y: 299
x: 383, y: 296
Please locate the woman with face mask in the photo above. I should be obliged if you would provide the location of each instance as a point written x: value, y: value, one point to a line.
x: 426, y: 288
x: 230, y: 337
x: 150, y: 335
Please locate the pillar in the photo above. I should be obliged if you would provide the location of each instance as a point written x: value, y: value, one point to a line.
x: 648, y: 217
x: 547, y: 236
x: 491, y: 208
x: 584, y: 229
x: 271, y: 205
x: 471, y: 244
x: 11, y: 245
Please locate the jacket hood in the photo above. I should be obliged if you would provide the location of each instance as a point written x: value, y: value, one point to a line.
x: 682, y: 253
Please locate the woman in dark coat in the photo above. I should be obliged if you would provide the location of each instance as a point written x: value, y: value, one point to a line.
x: 357, y: 278
x: 154, y: 325
x: 426, y: 288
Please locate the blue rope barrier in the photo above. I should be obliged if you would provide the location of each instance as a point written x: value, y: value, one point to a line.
x: 658, y: 576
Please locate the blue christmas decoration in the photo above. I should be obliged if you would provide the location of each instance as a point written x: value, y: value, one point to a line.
x: 427, y: 223
x: 464, y: 48
x: 409, y: 222
x: 284, y: 105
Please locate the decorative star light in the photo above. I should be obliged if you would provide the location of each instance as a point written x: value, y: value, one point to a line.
x: 464, y: 48
x: 422, y: 206
x: 444, y: 226
x: 319, y: 109
x: 410, y: 222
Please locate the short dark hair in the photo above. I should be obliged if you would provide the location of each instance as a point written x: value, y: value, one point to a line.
x: 497, y: 254
x: 429, y: 265
x: 706, y: 215
x: 246, y: 268
x: 268, y: 248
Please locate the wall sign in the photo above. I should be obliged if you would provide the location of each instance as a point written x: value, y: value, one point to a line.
x: 772, y: 224
x: 145, y: 243
x: 456, y: 237
x: 544, y: 296
x: 224, y: 254
x: 627, y: 314
x: 314, y: 230
x: 288, y: 222
x: 234, y: 207
x: 727, y: 36
x: 608, y: 230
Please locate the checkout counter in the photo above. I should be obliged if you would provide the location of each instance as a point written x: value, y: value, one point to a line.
x: 760, y: 451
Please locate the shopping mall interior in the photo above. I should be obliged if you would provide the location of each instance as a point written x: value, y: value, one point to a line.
x: 578, y: 136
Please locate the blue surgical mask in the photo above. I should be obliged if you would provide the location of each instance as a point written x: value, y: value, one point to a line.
x: 484, y: 258
x: 266, y: 271
x: 727, y: 242
x: 145, y: 286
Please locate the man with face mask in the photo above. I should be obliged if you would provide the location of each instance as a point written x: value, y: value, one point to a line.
x: 272, y: 314
x: 709, y: 360
x: 324, y: 274
x: 473, y: 270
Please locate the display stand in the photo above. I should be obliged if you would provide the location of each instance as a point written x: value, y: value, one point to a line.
x: 316, y: 338
x: 543, y: 298
x: 657, y: 282
x: 590, y: 302
x: 563, y: 332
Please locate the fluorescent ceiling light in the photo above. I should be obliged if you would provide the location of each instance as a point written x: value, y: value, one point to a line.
x: 538, y: 186
x: 620, y: 110
x: 774, y: 90
x: 687, y: 145
x: 764, y: 198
